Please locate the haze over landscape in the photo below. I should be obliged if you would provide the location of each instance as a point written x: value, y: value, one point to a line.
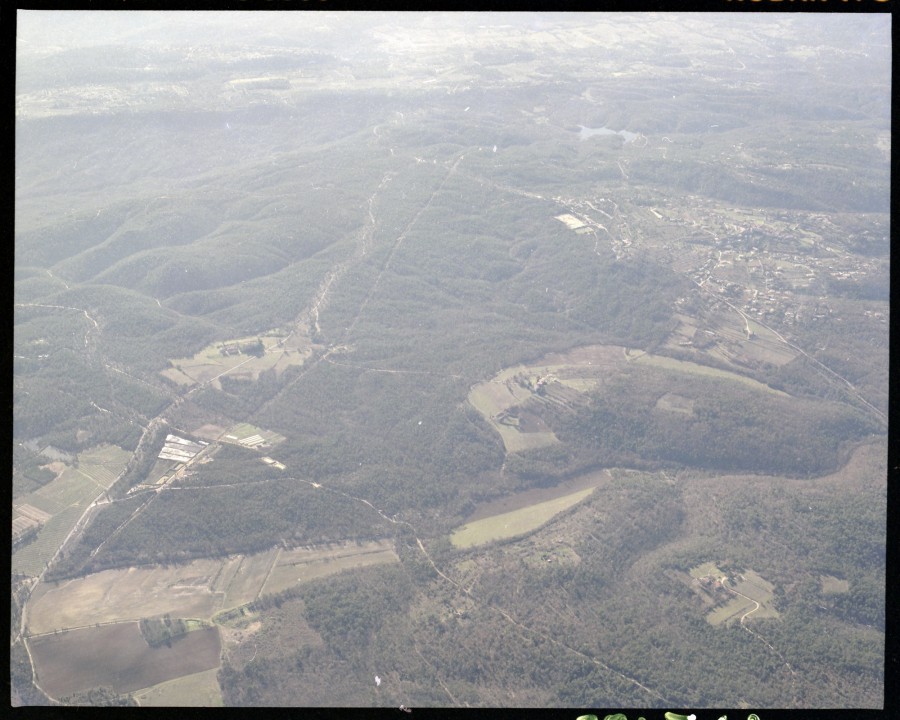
x: 437, y: 359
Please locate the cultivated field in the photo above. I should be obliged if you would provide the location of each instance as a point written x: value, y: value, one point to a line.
x: 31, y: 558
x: 514, y: 523
x: 512, y: 400
x: 103, y: 463
x: 64, y: 499
x: 301, y: 564
x: 197, y: 690
x: 247, y: 435
x: 508, y: 400
x: 496, y: 397
x: 68, y: 662
x: 249, y: 577
x: 686, y: 366
x: 110, y: 595
x: 232, y: 357
x: 198, y: 589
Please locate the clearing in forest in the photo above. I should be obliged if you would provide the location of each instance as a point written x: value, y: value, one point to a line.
x: 516, y: 522
x: 512, y: 400
x: 515, y: 399
x: 733, y: 595
x: 241, y: 358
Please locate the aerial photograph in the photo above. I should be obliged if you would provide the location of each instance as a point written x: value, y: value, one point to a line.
x: 433, y: 359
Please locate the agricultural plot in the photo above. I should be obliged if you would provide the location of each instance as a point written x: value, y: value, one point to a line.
x: 61, y: 502
x: 113, y: 595
x: 500, y: 401
x: 676, y: 403
x: 198, y: 589
x: 103, y: 463
x: 686, y: 366
x: 573, y: 223
x: 69, y: 662
x: 763, y: 346
x: 302, y: 564
x: 512, y: 400
x: 160, y: 471
x: 241, y: 358
x: 196, y: 690
x: 517, y: 522
x: 250, y: 436
x: 249, y: 577
x: 209, y: 432
x: 31, y: 559
x: 27, y: 517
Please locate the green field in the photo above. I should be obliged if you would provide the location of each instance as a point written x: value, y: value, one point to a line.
x: 30, y: 559
x: 247, y: 435
x: 832, y: 585
x: 514, y: 523
x: 103, y: 463
x: 66, y: 498
x: 225, y: 356
x: 686, y: 366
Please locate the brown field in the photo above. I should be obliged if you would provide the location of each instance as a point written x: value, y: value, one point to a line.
x: 249, y: 577
x: 301, y: 564
x: 32, y: 513
x: 198, y: 589
x: 117, y: 656
x: 182, y: 591
x: 209, y: 432
x: 20, y: 524
x: 196, y: 690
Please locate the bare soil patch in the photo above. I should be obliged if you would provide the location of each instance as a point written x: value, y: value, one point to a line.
x: 209, y: 432
x: 110, y: 595
x: 117, y: 656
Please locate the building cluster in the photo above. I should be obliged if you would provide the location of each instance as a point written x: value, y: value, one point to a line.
x: 179, y: 449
